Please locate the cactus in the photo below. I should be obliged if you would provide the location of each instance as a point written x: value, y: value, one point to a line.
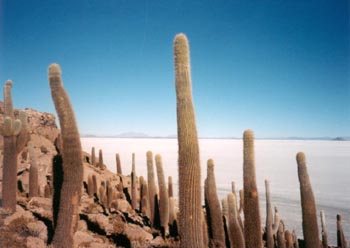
x: 289, y: 239
x: 68, y: 216
x: 47, y: 191
x: 252, y: 226
x: 214, y: 214
x: 90, y: 186
x: 144, y: 197
x: 324, y: 230
x: 235, y: 231
x: 33, y: 173
x: 119, y: 165
x: 109, y: 194
x: 57, y: 169
x: 163, y: 196
x: 15, y: 137
x: 151, y: 185
x: 100, y: 159
x: 94, y: 184
x: 93, y: 156
x: 295, y: 239
x: 205, y: 230
x: 340, y: 234
x: 190, y: 219
x: 269, y: 218
x: 308, y: 206
x: 134, y: 203
x: 170, y: 186
x: 224, y: 205
x: 281, y: 242
x: 101, y: 192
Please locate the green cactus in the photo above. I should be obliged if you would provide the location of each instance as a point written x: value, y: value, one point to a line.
x: 269, y: 217
x: 235, y: 231
x: 308, y: 205
x: 33, y: 173
x: 212, y: 204
x: 252, y: 226
x: 324, y: 230
x: 15, y: 135
x: 151, y: 185
x: 163, y: 196
x: 68, y: 216
x: 119, y: 165
x: 134, y: 200
x: 93, y: 156
x: 190, y: 200
x: 340, y: 233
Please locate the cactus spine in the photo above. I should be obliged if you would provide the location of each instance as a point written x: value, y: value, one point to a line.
x: 119, y: 165
x: 269, y: 217
x: 15, y: 137
x: 33, y: 174
x: 163, y: 195
x: 72, y: 163
x: 324, y: 230
x: 252, y: 226
x: 151, y: 185
x: 190, y: 221
x: 308, y: 206
x: 214, y: 214
x: 235, y: 231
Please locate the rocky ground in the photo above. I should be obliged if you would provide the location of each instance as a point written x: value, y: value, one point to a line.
x: 99, y: 226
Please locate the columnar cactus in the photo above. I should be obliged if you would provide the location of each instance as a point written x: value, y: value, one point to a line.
x: 269, y: 217
x: 90, y: 186
x: 119, y: 165
x: 94, y: 183
x: 151, y: 185
x: 100, y: 159
x: 205, y: 230
x: 324, y: 230
x: 93, y: 156
x: 289, y: 239
x: 163, y: 195
x: 144, y: 197
x: 340, y: 234
x: 252, y: 226
x: 68, y: 215
x: 33, y: 174
x: 133, y: 184
x: 308, y: 205
x: 235, y: 231
x: 109, y: 194
x: 295, y: 239
x: 170, y: 186
x: 214, y: 214
x: 15, y: 137
x: 281, y: 242
x: 190, y: 219
x: 224, y: 205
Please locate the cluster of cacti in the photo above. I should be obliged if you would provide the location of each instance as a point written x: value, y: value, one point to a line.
x: 16, y: 136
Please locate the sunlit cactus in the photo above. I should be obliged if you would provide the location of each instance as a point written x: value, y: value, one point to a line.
x: 281, y: 241
x: 235, y: 232
x: 269, y: 217
x: 190, y: 200
x: 134, y: 200
x: 93, y: 156
x: 100, y: 160
x: 308, y: 205
x: 212, y: 203
x: 118, y: 163
x: 324, y: 230
x: 72, y: 163
x: 252, y: 224
x: 151, y: 185
x: 163, y: 195
x: 33, y: 173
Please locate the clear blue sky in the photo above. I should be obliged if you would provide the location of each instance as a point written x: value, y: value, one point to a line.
x: 281, y: 68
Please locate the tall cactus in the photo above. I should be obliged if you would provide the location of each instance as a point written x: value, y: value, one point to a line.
x: 214, y: 214
x: 119, y: 165
x: 93, y: 156
x: 235, y: 231
x: 15, y: 137
x: 269, y: 217
x: 152, y: 192
x: 68, y: 215
x: 170, y: 186
x: 252, y: 226
x: 100, y: 159
x: 324, y: 230
x: 133, y: 184
x: 190, y: 220
x: 308, y: 205
x: 163, y: 196
x: 33, y: 173
x: 340, y: 233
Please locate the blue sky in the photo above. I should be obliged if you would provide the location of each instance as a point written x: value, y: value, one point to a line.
x: 281, y: 68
